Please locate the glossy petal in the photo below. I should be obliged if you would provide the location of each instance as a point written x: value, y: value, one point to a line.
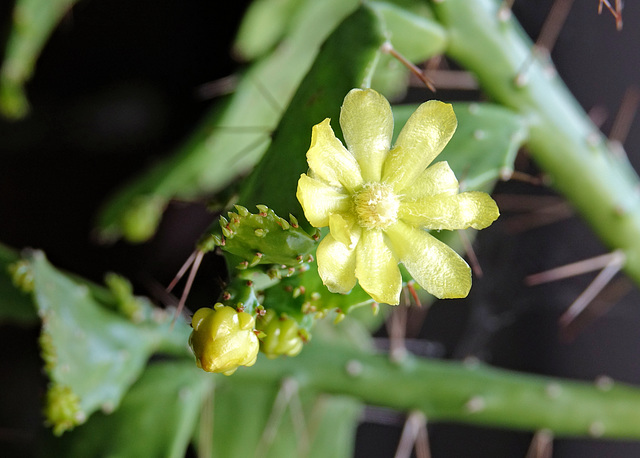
x: 377, y: 268
x: 468, y: 209
x: 341, y: 228
x: 329, y: 159
x: 336, y: 265
x: 436, y: 179
x: 423, y: 137
x: 319, y: 200
x: 435, y: 266
x: 367, y: 126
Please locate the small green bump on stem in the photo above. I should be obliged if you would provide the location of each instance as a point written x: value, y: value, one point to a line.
x: 291, y: 271
x: 310, y: 258
x: 242, y: 210
x: 294, y: 221
x: 594, y: 139
x: 471, y: 362
x: 284, y: 223
x: 260, y: 232
x: 521, y: 80
x: 354, y: 368
x: 316, y: 236
x: 506, y: 173
x: 274, y: 274
x: 234, y: 217
x: 226, y: 296
x: 479, y: 134
x: 315, y: 296
x: 299, y: 258
x: 21, y: 275
x: 553, y: 390
x: 107, y: 408
x: 263, y: 210
x: 256, y: 260
x: 340, y: 315
x: 596, y: 429
x: 307, y: 308
x: 475, y: 404
x: 297, y: 292
x: 243, y: 265
x: 604, y: 383
x: 227, y: 232
x: 260, y: 311
x: 304, y: 335
x: 224, y: 222
x: 375, y: 308
x: 504, y: 13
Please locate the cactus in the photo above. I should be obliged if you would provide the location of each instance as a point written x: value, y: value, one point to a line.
x: 95, y: 342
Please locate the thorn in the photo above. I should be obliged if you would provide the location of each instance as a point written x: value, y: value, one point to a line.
x: 471, y: 254
x: 187, y: 287
x: 626, y: 113
x: 575, y: 268
x: 414, y: 293
x: 182, y: 271
x: 616, y: 263
x: 541, y: 444
x: 617, y: 12
x: 388, y: 48
x: 606, y: 299
x: 553, y: 24
x: 414, y: 434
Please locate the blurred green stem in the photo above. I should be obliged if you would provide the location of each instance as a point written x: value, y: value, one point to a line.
x: 461, y: 392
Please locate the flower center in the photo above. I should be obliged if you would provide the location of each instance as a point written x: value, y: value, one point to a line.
x: 376, y: 206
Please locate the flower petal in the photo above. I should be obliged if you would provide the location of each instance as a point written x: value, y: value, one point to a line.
x: 468, y: 209
x: 422, y: 138
x: 436, y: 179
x: 319, y: 200
x: 336, y: 265
x: 377, y: 268
x: 330, y: 160
x: 341, y: 228
x: 367, y: 125
x: 435, y: 266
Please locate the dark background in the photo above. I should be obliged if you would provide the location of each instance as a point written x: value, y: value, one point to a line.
x: 116, y: 89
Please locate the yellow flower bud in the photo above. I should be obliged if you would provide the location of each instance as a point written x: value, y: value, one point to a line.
x: 223, y: 339
x: 282, y: 336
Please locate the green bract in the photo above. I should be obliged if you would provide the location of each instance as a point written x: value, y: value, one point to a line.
x: 378, y: 200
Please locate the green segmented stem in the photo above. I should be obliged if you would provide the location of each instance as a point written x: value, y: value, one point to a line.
x: 263, y: 238
x: 462, y: 392
x: 603, y: 187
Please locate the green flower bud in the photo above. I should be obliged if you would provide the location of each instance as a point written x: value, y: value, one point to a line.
x: 62, y: 409
x: 223, y: 339
x: 282, y: 337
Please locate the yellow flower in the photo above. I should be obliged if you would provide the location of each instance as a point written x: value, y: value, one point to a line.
x: 223, y: 339
x: 378, y: 200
